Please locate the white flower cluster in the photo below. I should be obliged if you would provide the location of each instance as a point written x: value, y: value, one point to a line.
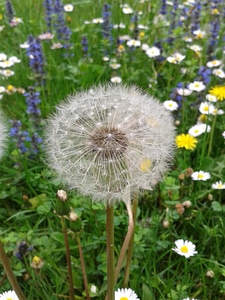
x: 108, y: 139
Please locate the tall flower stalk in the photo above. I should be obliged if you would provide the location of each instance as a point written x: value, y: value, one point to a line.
x: 108, y: 142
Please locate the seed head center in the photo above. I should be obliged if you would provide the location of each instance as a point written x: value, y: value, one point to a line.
x: 109, y: 143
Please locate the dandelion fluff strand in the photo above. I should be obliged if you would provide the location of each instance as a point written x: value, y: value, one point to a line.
x: 102, y: 140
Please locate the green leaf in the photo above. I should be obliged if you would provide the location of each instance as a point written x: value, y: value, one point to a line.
x: 216, y: 206
x: 146, y: 293
x: 38, y: 200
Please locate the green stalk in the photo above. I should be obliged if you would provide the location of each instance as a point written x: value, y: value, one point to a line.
x: 68, y: 259
x: 131, y: 246
x: 110, y: 252
x: 11, y: 277
x: 83, y: 267
x: 127, y: 238
x: 211, y: 134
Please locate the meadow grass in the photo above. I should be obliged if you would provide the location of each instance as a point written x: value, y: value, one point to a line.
x: 185, y: 205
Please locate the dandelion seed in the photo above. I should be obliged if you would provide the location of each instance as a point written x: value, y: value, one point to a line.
x: 185, y: 248
x: 102, y: 141
x: 126, y: 294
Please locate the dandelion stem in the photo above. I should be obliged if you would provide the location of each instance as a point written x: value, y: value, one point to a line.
x: 11, y: 277
x: 131, y: 245
x: 110, y: 251
x: 83, y: 267
x: 70, y: 275
x: 127, y: 238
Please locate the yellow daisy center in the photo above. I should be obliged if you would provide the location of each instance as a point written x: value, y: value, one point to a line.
x: 124, y: 298
x: 184, y: 249
x: 9, y: 298
x: 200, y: 176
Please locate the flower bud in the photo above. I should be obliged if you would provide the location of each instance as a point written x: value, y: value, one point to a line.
x: 61, y: 195
x: 187, y: 203
x: 210, y: 274
x: 62, y: 205
x: 37, y: 262
x: 166, y: 224
x: 210, y: 197
x: 188, y: 172
x: 179, y: 208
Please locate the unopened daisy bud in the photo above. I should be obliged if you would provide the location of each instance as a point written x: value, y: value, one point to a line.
x: 188, y: 172
x: 166, y: 224
x: 181, y: 176
x: 73, y: 216
x: 61, y: 195
x: 62, y: 205
x: 177, y: 123
x: 179, y: 208
x: 75, y: 224
x: 210, y: 197
x: 210, y: 274
x: 187, y: 203
x: 37, y: 262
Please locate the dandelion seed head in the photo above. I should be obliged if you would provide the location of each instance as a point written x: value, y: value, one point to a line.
x: 111, y: 138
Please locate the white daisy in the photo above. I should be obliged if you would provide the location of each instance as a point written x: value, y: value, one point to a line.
x: 183, y: 92
x: 195, y: 48
x: 134, y: 43
x: 2, y: 89
x: 199, y: 129
x: 214, y: 63
x: 170, y: 105
x: 116, y: 79
x: 199, y: 34
x: 211, y: 98
x: 145, y: 47
x: 126, y: 294
x: 175, y: 58
x: 223, y: 134
x: 3, y: 57
x: 197, y: 86
x: 219, y: 73
x: 68, y: 7
x: 219, y: 185
x: 153, y: 51
x: 10, y: 295
x: 206, y: 108
x: 200, y: 175
x: 127, y: 10
x: 97, y: 21
x: 7, y: 73
x: 185, y: 248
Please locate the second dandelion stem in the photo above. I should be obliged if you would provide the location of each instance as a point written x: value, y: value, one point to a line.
x: 110, y: 252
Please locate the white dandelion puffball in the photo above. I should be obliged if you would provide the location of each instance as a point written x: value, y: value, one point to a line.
x: 3, y: 134
x: 108, y: 139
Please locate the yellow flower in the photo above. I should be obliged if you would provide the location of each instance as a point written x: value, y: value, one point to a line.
x: 186, y: 141
x: 219, y: 92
